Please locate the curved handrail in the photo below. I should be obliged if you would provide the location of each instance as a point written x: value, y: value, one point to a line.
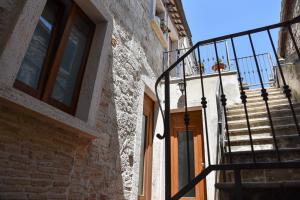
x: 204, y: 42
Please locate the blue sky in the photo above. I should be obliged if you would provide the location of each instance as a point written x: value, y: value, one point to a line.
x: 212, y: 18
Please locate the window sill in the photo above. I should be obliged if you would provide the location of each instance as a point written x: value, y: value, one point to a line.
x: 15, y: 99
x: 155, y: 26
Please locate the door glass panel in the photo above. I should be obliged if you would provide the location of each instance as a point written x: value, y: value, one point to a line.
x: 33, y: 61
x: 71, y: 61
x: 183, y: 162
x: 142, y: 156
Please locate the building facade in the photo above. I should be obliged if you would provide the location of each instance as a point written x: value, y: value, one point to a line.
x: 73, y: 83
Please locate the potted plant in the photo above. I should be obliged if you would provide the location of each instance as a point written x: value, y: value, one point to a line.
x: 218, y: 65
x: 163, y: 26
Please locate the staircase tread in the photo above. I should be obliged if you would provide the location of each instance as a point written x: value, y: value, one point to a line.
x: 239, y: 108
x: 262, y: 127
x: 250, y: 95
x: 261, y: 119
x: 259, y: 90
x: 275, y: 184
x: 259, y: 113
x: 249, y: 104
x: 263, y: 138
x: 266, y: 151
x: 272, y: 95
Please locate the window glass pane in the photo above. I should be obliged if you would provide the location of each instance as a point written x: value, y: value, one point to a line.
x: 72, y: 59
x: 142, y: 156
x: 33, y: 61
x: 183, y: 162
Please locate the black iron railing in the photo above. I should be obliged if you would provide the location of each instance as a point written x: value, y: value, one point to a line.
x: 247, y: 66
x: 196, y: 52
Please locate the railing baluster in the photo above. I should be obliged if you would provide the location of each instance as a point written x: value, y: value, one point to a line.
x: 264, y: 94
x: 248, y: 69
x: 286, y: 89
x: 186, y: 122
x: 261, y: 69
x: 204, y: 105
x: 253, y: 71
x: 244, y: 100
x: 238, y: 184
x: 266, y: 69
x: 167, y: 139
x: 223, y: 100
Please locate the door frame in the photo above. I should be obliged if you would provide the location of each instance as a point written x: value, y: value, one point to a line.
x: 197, y: 128
x: 148, y: 110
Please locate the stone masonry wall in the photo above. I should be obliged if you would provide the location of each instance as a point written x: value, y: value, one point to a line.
x: 294, y: 11
x: 39, y: 161
x: 8, y: 17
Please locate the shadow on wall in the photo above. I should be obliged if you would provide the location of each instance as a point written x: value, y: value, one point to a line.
x: 40, y: 161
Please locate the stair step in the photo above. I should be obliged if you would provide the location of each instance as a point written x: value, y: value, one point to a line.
x: 260, y: 103
x: 261, y: 191
x: 258, y: 91
x: 258, y: 94
x: 263, y: 121
x: 274, y: 113
x: 270, y: 97
x: 286, y: 154
x: 286, y: 129
x: 260, y: 185
x: 248, y: 148
x: 266, y: 175
x: 282, y: 141
x: 260, y: 108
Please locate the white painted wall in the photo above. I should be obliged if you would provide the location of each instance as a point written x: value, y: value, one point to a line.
x: 194, y: 95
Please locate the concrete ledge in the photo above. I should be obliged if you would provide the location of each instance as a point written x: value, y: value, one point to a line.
x: 15, y: 99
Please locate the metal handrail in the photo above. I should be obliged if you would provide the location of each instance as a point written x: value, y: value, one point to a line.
x: 236, y: 167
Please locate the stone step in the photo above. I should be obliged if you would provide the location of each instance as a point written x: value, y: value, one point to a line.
x: 271, y: 97
x: 286, y: 155
x: 285, y: 129
x: 262, y: 143
x: 258, y: 91
x: 263, y: 121
x: 274, y: 113
x: 266, y: 175
x: 258, y: 94
x: 260, y: 103
x: 260, y: 108
x: 248, y: 148
x: 286, y: 190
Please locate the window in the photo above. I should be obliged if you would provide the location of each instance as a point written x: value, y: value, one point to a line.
x: 54, y: 64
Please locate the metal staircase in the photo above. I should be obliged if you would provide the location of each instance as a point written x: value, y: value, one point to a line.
x: 258, y: 138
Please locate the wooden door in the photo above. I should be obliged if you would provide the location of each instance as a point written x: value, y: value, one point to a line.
x: 179, y: 154
x: 145, y: 174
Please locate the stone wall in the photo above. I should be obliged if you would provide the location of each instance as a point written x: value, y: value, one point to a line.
x: 9, y: 10
x: 290, y: 67
x: 39, y: 161
x: 290, y: 10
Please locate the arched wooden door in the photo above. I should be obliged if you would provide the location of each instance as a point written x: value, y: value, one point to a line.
x: 179, y: 154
